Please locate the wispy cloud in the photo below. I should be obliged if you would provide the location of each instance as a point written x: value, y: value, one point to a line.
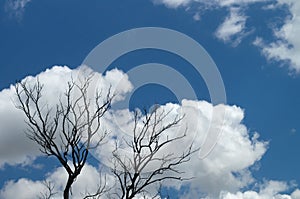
x: 233, y: 28
x: 173, y: 3
x: 285, y: 44
x: 16, y: 8
x: 286, y: 47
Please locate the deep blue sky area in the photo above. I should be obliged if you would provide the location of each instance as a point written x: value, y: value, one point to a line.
x: 63, y: 32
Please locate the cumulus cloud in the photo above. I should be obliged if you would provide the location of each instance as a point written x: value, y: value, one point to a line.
x: 226, y: 168
x: 23, y: 188
x: 287, y: 45
x: 89, y: 181
x: 212, y: 174
x: 216, y: 172
x: 15, y: 148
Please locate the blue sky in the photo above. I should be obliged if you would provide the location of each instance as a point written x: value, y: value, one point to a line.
x: 253, y: 43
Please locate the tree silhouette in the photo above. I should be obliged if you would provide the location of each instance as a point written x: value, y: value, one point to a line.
x: 148, y: 165
x: 65, y: 130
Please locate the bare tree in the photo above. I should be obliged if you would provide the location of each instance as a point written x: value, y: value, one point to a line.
x: 147, y: 165
x: 66, y: 129
x: 49, y: 190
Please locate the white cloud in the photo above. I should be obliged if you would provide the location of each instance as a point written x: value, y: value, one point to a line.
x: 233, y: 27
x: 287, y: 46
x: 227, y: 168
x: 213, y: 174
x: 15, y: 148
x: 296, y: 194
x: 271, y: 189
x: 88, y: 182
x: 23, y: 188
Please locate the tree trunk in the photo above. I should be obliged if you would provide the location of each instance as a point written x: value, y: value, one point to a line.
x: 68, y: 187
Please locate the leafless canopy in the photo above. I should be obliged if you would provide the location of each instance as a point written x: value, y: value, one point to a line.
x: 66, y: 129
x: 149, y: 140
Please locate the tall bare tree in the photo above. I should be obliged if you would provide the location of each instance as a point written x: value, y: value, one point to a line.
x: 65, y: 130
x: 149, y: 164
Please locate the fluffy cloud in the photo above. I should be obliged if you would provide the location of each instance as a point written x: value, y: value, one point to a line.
x: 23, y: 188
x: 234, y: 144
x: 227, y: 166
x: 287, y: 45
x: 15, y: 148
x: 88, y: 182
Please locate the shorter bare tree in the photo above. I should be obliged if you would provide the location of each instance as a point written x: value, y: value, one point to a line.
x: 65, y: 130
x: 149, y: 164
x: 49, y: 193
